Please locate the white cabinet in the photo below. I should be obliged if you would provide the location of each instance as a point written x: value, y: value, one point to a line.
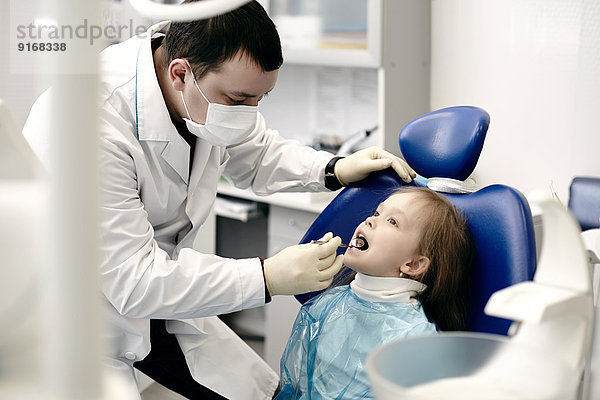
x: 350, y: 65
x: 286, y: 228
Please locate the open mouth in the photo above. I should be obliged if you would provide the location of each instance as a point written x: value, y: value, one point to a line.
x: 359, y: 242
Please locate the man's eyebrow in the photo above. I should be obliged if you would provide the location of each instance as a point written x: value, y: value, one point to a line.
x: 241, y: 94
x: 244, y: 94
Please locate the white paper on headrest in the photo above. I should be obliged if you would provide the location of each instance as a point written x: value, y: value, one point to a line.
x: 448, y: 185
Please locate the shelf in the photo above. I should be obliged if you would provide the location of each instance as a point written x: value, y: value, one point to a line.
x: 331, y: 58
x: 338, y: 33
x: 238, y: 209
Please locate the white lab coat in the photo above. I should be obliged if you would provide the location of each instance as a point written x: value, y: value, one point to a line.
x: 151, y: 209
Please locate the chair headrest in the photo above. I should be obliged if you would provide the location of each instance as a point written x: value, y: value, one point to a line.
x: 445, y: 143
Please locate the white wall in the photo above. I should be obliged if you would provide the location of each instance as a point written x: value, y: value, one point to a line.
x: 534, y: 65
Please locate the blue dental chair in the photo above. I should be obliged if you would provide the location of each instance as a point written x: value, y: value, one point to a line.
x: 584, y: 203
x: 447, y: 144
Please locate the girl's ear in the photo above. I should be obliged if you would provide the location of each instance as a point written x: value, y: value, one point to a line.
x: 416, y: 267
x: 177, y: 71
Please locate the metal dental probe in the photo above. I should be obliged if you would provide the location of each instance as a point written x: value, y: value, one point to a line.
x: 322, y: 242
x: 356, y: 243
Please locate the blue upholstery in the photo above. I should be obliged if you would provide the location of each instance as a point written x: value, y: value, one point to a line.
x: 453, y: 138
x: 498, y: 216
x: 584, y: 201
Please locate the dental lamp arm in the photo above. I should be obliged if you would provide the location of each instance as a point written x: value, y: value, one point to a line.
x: 185, y: 12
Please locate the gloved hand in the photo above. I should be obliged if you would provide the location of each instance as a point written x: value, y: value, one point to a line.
x: 359, y: 165
x: 303, y: 268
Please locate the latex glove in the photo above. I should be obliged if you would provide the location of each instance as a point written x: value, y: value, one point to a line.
x: 303, y: 268
x: 359, y: 165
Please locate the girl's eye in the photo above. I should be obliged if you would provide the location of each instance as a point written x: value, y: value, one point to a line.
x: 393, y: 221
x: 375, y: 213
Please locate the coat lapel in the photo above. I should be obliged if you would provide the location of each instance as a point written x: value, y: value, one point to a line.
x: 177, y: 155
x: 153, y: 119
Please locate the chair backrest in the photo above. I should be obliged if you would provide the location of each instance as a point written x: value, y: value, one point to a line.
x: 584, y: 201
x: 498, y: 216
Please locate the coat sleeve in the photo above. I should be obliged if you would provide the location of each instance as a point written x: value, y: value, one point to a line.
x: 138, y: 277
x: 268, y: 163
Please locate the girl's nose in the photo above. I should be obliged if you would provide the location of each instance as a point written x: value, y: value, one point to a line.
x: 370, y: 222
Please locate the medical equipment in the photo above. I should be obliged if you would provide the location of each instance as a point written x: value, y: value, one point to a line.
x: 322, y: 242
x: 356, y: 242
x: 185, y: 12
x: 350, y: 144
x: 584, y: 201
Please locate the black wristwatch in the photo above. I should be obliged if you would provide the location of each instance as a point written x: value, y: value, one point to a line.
x: 331, y: 181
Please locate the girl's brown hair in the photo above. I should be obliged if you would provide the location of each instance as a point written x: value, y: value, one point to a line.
x: 446, y: 241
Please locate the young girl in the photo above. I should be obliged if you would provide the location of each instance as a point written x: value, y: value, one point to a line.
x: 411, y: 265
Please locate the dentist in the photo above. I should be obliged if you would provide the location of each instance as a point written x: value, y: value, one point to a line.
x: 179, y: 108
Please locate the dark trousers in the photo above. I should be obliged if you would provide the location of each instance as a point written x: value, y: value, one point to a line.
x: 166, y: 365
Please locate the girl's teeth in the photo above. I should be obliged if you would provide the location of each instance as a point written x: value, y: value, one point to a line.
x: 358, y: 243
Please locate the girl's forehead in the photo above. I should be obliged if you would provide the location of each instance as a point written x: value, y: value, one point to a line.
x: 401, y: 200
x: 409, y: 205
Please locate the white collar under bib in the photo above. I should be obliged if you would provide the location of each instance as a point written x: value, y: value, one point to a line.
x: 379, y: 289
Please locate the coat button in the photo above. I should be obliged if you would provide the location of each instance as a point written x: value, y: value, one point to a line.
x: 130, y: 355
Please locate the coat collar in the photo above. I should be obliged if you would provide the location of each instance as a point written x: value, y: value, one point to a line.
x: 153, y: 121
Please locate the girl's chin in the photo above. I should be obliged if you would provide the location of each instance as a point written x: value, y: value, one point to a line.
x: 353, y: 263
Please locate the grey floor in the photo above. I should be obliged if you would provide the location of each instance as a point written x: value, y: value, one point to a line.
x: 159, y: 392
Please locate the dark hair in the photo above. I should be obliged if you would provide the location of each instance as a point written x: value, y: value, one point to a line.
x: 446, y: 241
x: 208, y: 43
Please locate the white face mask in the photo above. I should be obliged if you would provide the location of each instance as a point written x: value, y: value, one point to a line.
x: 225, y: 125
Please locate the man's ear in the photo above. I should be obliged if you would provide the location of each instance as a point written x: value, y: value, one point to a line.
x: 416, y: 267
x: 177, y: 71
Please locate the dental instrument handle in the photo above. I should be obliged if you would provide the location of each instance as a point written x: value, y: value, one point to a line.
x: 322, y: 242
